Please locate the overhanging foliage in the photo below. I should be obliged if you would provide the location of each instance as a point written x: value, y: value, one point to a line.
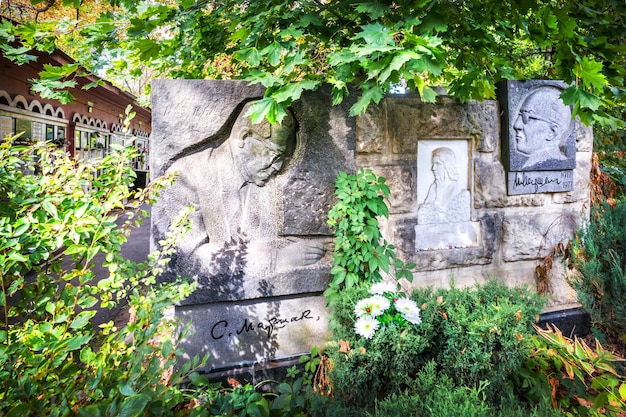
x: 466, y: 46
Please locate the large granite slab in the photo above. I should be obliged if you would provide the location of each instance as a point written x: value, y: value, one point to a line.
x: 258, y: 246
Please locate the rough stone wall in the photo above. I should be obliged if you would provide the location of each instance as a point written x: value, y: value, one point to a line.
x: 515, y: 231
x: 259, y: 292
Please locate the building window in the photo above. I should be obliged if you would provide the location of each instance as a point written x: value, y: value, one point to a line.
x: 26, y: 126
x: 55, y: 134
x: 141, y: 161
x: 90, y: 144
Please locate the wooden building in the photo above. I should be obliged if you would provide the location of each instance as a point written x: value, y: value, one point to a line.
x: 85, y: 128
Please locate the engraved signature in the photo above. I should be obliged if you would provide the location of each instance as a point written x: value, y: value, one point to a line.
x: 267, y: 327
x: 538, y: 182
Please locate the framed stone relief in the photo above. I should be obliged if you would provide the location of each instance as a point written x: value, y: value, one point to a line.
x: 539, y: 144
x: 444, y: 196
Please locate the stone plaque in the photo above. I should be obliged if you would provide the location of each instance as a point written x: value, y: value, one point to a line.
x: 237, y: 333
x: 446, y: 235
x: 538, y: 135
x: 532, y: 182
x: 260, y: 195
x: 444, y: 212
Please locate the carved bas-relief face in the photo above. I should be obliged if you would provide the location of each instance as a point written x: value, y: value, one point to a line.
x: 444, y: 165
x: 261, y: 159
x: 438, y: 168
x: 261, y: 150
x: 541, y: 124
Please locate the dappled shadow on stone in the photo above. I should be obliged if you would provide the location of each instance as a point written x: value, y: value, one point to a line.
x: 226, y: 270
x: 241, y: 334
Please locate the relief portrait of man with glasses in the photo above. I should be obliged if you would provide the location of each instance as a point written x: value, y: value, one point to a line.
x: 542, y: 129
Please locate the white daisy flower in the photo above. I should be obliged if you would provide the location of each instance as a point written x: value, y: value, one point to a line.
x: 379, y: 305
x: 413, y: 318
x: 409, y: 310
x: 382, y: 287
x: 372, y: 306
x: 366, y: 327
x: 363, y: 308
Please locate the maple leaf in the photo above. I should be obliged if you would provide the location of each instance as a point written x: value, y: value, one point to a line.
x: 590, y: 72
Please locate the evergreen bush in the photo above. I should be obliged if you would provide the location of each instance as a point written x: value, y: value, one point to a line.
x: 599, y: 257
x: 477, y: 337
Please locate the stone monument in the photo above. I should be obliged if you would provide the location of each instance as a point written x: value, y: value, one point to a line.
x: 479, y: 190
x: 258, y: 245
x: 481, y: 202
x: 443, y: 216
x: 540, y: 143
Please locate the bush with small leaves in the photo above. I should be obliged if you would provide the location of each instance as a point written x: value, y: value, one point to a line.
x: 473, y: 335
x: 599, y: 257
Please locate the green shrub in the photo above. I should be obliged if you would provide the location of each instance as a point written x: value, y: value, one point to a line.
x: 485, y: 333
x: 478, y: 337
x: 599, y: 256
x: 53, y: 361
x: 435, y: 395
x: 475, y: 336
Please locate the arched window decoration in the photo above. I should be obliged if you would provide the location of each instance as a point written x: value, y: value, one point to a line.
x: 36, y: 107
x: 34, y: 120
x: 48, y: 110
x: 43, y: 121
x: 5, y: 98
x: 141, y: 133
x: 19, y: 102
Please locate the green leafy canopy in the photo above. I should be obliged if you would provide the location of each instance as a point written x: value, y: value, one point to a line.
x: 464, y: 46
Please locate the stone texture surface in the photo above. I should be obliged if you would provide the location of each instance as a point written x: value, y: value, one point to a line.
x: 402, y: 182
x: 409, y: 119
x: 489, y: 193
x: 370, y: 130
x: 584, y: 137
x: 533, y: 236
x: 245, y: 332
x: 580, y: 192
x: 189, y: 113
x: 260, y: 196
x: 453, y: 235
x: 515, y: 232
x: 326, y: 145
